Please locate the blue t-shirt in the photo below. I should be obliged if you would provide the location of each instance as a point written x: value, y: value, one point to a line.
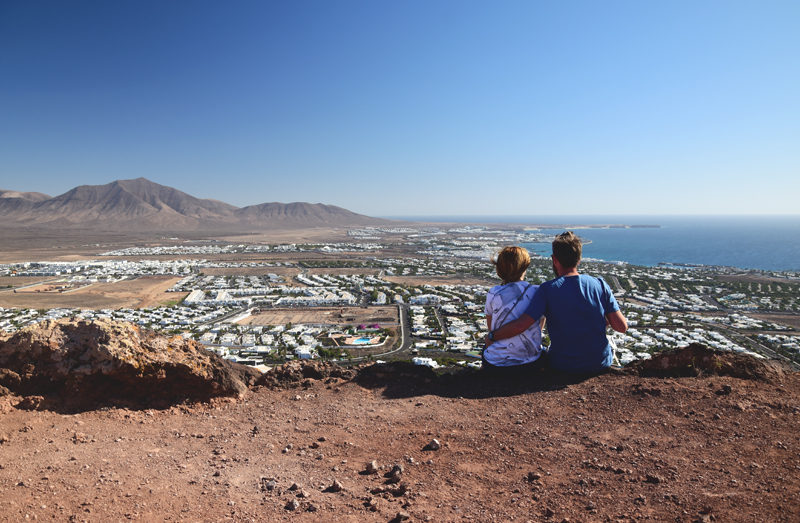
x: 576, y: 308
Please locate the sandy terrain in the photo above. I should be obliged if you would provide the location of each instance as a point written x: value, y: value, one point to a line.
x: 293, y: 236
x: 439, y: 280
x: 611, y: 448
x: 148, y: 291
x: 754, y: 278
x: 20, y: 281
x: 42, y: 245
x: 48, y: 255
x: 790, y: 320
x: 346, y: 315
x: 366, y: 271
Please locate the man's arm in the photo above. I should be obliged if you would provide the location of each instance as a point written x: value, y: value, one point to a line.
x: 512, y: 328
x: 616, y: 320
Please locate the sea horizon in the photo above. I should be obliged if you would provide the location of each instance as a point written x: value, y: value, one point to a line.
x: 764, y: 242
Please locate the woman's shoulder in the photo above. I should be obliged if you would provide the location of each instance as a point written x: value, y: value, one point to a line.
x: 496, y: 289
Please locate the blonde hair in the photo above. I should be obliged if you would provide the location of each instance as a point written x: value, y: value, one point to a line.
x: 511, y: 263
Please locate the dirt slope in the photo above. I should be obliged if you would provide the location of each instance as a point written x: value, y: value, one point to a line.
x: 549, y: 448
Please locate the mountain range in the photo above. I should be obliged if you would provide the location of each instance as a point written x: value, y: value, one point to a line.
x: 141, y: 205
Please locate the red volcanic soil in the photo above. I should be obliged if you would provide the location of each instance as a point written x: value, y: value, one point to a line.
x: 547, y: 448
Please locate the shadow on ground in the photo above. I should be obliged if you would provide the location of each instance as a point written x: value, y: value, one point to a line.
x: 406, y: 380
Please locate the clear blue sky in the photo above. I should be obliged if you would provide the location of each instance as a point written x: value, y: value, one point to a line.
x: 411, y: 107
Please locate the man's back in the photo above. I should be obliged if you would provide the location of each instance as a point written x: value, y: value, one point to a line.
x: 576, y: 308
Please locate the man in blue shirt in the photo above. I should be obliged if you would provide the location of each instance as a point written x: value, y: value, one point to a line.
x: 577, y: 307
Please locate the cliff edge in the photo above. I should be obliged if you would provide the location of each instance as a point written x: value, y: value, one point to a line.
x: 705, y: 437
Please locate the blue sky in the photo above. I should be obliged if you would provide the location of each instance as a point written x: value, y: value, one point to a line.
x: 411, y: 107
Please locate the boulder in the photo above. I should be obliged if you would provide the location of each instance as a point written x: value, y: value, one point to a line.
x: 91, y: 362
x: 697, y: 359
x: 295, y: 373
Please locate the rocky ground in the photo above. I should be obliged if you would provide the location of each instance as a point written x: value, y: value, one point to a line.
x: 300, y: 446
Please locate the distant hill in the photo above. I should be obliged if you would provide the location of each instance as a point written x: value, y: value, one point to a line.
x: 13, y: 202
x: 142, y: 205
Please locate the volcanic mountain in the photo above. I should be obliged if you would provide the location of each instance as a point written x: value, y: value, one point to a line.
x: 142, y: 205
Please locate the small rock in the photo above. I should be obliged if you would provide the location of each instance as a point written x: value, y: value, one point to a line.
x: 336, y: 486
x: 549, y: 513
x: 302, y: 494
x: 724, y: 391
x: 293, y: 505
x: 590, y: 506
x: 399, y: 490
x: 652, y: 478
x: 395, y: 476
x: 402, y: 516
x: 322, y: 438
x: 315, y: 445
x: 312, y: 508
x: 717, y: 416
x: 294, y: 486
x: 533, y: 476
x: 434, y: 444
x: 372, y: 467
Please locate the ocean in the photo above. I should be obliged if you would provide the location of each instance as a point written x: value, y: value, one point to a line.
x: 748, y: 242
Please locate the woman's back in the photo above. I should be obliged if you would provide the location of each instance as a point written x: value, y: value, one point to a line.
x: 505, y: 303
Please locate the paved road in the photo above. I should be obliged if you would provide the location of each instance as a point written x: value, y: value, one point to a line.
x: 220, y: 319
x: 616, y: 283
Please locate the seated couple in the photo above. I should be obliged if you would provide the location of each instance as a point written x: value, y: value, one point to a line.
x: 577, y: 308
